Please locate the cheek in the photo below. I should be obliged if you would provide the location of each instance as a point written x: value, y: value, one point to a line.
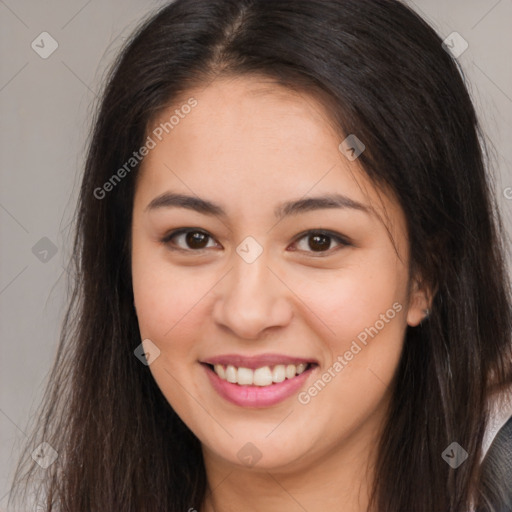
x: 161, y: 293
x: 164, y: 299
x: 362, y: 309
x: 340, y: 304
x: 170, y: 303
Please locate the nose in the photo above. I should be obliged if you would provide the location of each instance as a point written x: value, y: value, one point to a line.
x: 252, y: 299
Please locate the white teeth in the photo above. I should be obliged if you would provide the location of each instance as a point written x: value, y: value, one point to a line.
x: 263, y: 376
x: 231, y: 374
x: 219, y: 370
x: 301, y: 368
x: 245, y: 376
x: 279, y: 373
x: 291, y: 371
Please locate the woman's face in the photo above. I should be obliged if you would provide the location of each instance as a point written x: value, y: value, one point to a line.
x: 253, y: 285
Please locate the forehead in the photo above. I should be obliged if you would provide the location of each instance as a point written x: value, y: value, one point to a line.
x: 250, y: 144
x: 247, y: 119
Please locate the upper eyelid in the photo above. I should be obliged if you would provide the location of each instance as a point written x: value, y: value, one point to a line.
x: 325, y: 232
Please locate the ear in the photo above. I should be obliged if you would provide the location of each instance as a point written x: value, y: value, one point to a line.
x: 420, y: 302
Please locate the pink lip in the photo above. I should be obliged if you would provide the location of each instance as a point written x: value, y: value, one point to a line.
x: 257, y: 396
x: 258, y: 361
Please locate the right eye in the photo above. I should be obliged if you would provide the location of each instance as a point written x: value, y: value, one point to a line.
x: 194, y: 239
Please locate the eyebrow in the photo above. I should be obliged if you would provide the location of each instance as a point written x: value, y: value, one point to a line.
x: 329, y: 201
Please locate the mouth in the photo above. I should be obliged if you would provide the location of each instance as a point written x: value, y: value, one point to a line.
x: 262, y: 376
x: 259, y: 387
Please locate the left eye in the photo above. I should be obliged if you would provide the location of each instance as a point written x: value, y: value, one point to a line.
x: 320, y: 241
x: 197, y: 240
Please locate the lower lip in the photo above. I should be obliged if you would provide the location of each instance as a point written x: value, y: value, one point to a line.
x: 257, y: 396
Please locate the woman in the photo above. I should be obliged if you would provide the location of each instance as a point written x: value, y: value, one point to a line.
x: 290, y: 284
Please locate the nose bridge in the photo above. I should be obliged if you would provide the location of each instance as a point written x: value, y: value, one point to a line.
x: 251, y: 298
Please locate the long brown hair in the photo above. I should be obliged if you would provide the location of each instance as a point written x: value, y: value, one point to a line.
x: 120, y: 445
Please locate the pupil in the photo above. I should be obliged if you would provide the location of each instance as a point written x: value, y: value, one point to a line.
x: 195, y: 239
x: 321, y: 241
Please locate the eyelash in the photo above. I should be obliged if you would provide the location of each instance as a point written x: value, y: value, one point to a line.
x: 330, y: 234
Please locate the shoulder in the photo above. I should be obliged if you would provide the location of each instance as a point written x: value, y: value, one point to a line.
x: 501, y: 411
x: 496, y: 482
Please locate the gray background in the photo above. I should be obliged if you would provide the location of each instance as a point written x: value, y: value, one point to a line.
x: 46, y: 108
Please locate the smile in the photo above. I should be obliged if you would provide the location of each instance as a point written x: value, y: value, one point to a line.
x: 261, y: 387
x: 264, y: 376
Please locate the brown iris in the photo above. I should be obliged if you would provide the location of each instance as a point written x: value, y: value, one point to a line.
x: 196, y: 239
x: 320, y: 242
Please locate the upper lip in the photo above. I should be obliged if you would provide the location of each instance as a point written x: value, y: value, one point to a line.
x: 257, y: 361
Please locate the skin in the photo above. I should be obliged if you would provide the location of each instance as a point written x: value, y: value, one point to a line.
x: 249, y: 145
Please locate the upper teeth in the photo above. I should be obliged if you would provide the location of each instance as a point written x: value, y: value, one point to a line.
x: 261, y: 376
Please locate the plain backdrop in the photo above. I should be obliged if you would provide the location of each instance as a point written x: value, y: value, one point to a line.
x: 46, y: 108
